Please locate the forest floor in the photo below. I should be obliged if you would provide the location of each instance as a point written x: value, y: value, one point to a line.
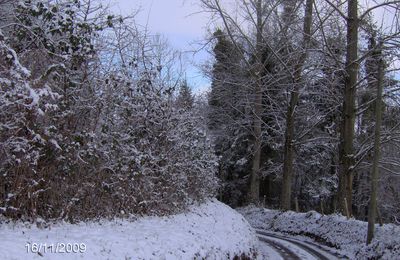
x: 211, y: 230
x: 310, y: 234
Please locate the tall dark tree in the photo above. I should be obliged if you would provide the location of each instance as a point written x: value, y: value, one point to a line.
x: 346, y: 152
x: 378, y: 78
x: 228, y: 120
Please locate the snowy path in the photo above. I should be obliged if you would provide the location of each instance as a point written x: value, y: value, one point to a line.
x: 290, y: 248
x: 282, y: 251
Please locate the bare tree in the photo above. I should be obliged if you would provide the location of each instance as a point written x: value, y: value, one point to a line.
x: 346, y: 156
x: 377, y: 145
x: 290, y: 114
x: 255, y: 11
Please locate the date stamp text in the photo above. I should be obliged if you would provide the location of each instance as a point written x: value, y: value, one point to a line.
x: 67, y: 248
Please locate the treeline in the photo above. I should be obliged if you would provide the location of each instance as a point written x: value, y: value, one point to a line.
x: 95, y: 120
x: 294, y: 101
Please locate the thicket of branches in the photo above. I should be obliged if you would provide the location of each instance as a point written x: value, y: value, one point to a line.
x: 90, y: 125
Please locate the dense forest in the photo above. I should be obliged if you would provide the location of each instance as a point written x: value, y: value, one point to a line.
x: 304, y: 106
x: 97, y: 119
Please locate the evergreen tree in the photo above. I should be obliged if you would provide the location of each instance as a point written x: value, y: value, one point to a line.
x: 185, y: 98
x: 229, y: 120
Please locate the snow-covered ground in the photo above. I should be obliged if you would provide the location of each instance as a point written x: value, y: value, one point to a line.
x: 348, y: 236
x: 211, y: 230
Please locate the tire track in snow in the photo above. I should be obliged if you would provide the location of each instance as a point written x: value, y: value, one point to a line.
x: 283, y: 251
x: 315, y: 250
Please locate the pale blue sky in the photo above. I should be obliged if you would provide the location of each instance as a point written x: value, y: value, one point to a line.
x: 180, y: 22
x: 183, y: 25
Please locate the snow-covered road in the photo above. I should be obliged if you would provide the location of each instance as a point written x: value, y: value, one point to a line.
x: 276, y: 246
x: 343, y: 237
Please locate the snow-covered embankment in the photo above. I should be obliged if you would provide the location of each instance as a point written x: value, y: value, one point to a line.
x: 347, y: 235
x: 211, y: 230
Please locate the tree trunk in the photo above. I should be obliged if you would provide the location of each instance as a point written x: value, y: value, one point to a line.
x: 377, y: 148
x: 255, y: 173
x: 346, y: 155
x: 290, y: 114
x: 288, y: 152
x: 255, y: 178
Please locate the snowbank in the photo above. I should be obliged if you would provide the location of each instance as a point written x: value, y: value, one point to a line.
x: 211, y: 230
x: 348, y: 236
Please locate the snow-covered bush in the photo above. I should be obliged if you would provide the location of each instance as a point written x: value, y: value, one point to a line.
x: 85, y: 134
x: 161, y: 153
x: 22, y: 137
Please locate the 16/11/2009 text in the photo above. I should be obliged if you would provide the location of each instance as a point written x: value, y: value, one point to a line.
x: 55, y: 247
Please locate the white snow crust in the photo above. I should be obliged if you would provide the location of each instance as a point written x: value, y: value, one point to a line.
x: 211, y: 230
